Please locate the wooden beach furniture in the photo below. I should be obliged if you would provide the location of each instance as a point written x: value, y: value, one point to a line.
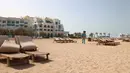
x: 57, y: 40
x: 68, y: 40
x: 60, y: 40
x: 107, y: 42
x: 72, y: 41
x: 101, y: 41
x: 126, y: 39
x: 11, y: 51
x: 64, y: 40
x: 30, y: 48
x: 112, y: 43
x: 95, y: 39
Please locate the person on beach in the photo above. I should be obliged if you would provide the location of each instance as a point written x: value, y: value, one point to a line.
x: 83, y: 37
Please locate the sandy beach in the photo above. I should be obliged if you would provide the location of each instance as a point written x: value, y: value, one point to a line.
x: 77, y: 58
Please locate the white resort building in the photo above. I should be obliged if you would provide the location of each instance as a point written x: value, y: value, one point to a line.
x: 49, y: 26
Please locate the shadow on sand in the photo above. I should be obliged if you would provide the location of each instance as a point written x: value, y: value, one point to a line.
x: 17, y: 65
x: 21, y: 66
x: 43, y: 61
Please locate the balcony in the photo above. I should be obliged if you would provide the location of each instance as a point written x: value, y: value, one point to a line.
x: 10, y: 24
x: 17, y: 22
x: 21, y: 21
x: 25, y: 22
x: 21, y: 25
x: 4, y: 21
x: 17, y: 25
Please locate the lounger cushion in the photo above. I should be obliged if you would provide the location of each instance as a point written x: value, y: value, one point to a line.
x: 1, y: 42
x: 24, y: 38
x: 9, y: 47
x: 2, y: 38
x: 28, y: 46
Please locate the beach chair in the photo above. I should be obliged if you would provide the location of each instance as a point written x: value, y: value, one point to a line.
x: 126, y: 40
x: 95, y: 39
x: 57, y: 40
x: 112, y: 43
x: 101, y: 41
x: 62, y: 40
x: 107, y: 42
x: 11, y: 51
x: 72, y: 41
x: 67, y: 40
x: 28, y: 47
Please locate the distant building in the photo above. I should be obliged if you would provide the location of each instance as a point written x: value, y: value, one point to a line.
x: 66, y: 33
x: 51, y: 27
x: 12, y: 23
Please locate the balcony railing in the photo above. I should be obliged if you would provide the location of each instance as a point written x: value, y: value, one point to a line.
x: 10, y: 24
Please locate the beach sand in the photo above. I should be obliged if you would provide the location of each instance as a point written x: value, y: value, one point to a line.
x: 77, y: 58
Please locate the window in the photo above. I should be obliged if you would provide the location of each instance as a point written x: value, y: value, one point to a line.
x: 21, y: 25
x: 8, y: 21
x: 4, y: 21
x: 35, y: 26
x: 48, y: 29
x: 25, y: 26
x: 44, y: 29
x: 3, y: 25
x: 21, y: 21
x: 10, y: 24
x: 48, y: 26
x: 40, y: 25
x: 13, y: 22
x: 17, y: 22
x: 45, y: 26
x: 51, y: 30
x: 56, y: 22
x: 51, y: 26
x: 59, y: 27
x: 17, y: 25
x: 13, y: 25
x: 25, y: 22
x: 47, y: 21
x: 0, y: 24
x: 56, y: 30
x: 0, y: 20
x: 40, y: 29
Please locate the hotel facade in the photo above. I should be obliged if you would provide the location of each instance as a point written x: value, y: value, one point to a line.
x: 49, y: 26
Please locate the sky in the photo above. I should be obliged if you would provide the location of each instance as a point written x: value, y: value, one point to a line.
x: 111, y: 16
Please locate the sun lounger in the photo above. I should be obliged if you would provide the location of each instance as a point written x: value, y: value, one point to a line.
x: 30, y: 48
x: 10, y: 51
x: 72, y: 41
x: 12, y: 56
x: 57, y: 40
x: 67, y: 40
x: 62, y: 40
x: 107, y: 42
x: 95, y: 39
x: 112, y: 43
x: 126, y: 40
x: 101, y: 41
